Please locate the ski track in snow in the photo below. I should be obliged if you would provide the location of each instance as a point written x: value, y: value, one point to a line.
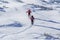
x: 48, y: 27
x: 48, y: 20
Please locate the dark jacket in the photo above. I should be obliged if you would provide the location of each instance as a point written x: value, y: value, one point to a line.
x: 29, y: 12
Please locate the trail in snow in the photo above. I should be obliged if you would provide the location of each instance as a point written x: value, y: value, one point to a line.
x: 24, y: 30
x: 48, y: 27
x: 17, y: 32
x: 3, y: 36
x: 48, y: 20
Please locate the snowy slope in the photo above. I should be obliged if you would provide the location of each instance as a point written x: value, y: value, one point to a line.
x: 16, y: 25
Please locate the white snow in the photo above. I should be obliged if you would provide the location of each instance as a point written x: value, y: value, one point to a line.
x: 47, y: 22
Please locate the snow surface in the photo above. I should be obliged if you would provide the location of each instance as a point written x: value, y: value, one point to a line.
x: 16, y: 25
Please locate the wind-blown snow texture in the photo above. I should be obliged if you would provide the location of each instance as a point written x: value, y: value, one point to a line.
x: 16, y: 25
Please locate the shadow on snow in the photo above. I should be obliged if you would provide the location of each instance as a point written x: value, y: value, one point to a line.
x: 48, y: 27
x: 48, y: 21
x: 15, y: 24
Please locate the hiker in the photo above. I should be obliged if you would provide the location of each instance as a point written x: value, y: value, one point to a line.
x: 29, y: 12
x: 32, y: 20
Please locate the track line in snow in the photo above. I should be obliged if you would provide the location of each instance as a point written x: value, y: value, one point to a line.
x: 17, y: 32
x: 48, y: 27
x: 24, y: 29
x: 48, y: 20
x: 3, y: 36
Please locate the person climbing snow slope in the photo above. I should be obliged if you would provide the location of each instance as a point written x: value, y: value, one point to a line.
x: 29, y: 12
x: 32, y: 20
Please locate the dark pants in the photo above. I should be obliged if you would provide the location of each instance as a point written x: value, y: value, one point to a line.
x: 28, y: 14
x: 32, y: 22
